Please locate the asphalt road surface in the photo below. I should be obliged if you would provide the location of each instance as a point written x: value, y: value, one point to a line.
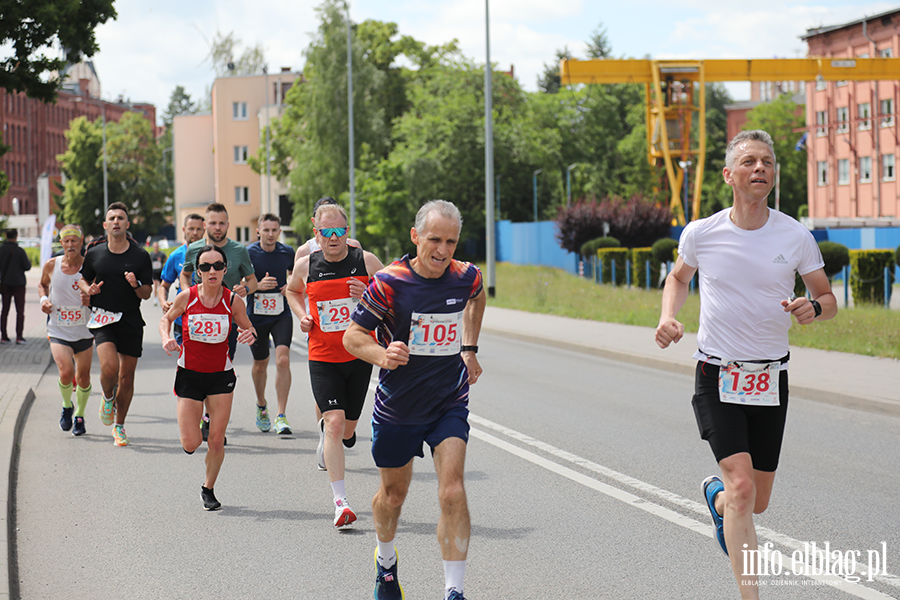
x: 583, y: 479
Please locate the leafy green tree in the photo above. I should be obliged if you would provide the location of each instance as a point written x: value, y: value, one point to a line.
x: 310, y: 141
x: 782, y: 118
x: 226, y: 59
x: 4, y: 180
x: 134, y: 158
x: 31, y: 29
x: 133, y: 174
x: 82, y: 164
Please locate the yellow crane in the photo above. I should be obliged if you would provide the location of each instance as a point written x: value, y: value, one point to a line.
x: 671, y: 104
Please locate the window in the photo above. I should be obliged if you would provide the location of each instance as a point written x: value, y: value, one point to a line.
x: 243, y: 234
x: 888, y: 172
x: 865, y: 169
x: 820, y: 85
x: 841, y: 83
x: 886, y: 53
x: 864, y: 110
x: 822, y: 172
x: 239, y: 111
x: 240, y: 155
x: 843, y: 171
x: 887, y: 112
x: 822, y: 120
x: 241, y: 195
x: 842, y: 118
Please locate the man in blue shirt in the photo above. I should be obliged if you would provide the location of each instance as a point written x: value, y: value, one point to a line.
x: 270, y: 315
x: 193, y: 229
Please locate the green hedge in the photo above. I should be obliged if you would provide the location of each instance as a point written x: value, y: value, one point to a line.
x: 590, y: 248
x: 606, y: 256
x: 34, y: 255
x: 836, y: 257
x: 665, y: 250
x: 639, y: 258
x: 867, y: 274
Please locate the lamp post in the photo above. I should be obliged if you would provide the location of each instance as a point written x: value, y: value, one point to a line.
x: 489, y: 233
x: 268, y: 119
x: 569, y: 184
x: 686, y: 166
x: 350, y: 126
x: 534, y: 188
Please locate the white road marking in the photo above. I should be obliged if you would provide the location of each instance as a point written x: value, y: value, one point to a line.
x: 763, y: 533
x: 706, y: 529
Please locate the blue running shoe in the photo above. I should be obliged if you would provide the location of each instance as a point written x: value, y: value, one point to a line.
x: 387, y: 587
x: 65, y: 420
x: 78, y: 426
x: 262, y: 419
x: 455, y: 595
x: 712, y: 485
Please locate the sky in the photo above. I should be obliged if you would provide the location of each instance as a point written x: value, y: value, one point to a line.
x: 152, y: 47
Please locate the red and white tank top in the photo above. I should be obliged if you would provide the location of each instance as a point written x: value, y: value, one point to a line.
x: 330, y: 303
x: 204, y: 347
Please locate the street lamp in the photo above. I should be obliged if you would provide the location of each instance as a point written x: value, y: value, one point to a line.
x: 569, y: 184
x: 534, y: 187
x: 686, y: 167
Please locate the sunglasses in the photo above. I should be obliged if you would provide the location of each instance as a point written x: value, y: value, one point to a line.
x: 327, y: 232
x: 218, y: 266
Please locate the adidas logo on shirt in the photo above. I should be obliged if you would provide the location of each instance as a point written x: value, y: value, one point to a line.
x: 779, y: 260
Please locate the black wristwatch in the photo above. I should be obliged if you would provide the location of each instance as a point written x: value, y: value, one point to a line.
x: 139, y: 284
x: 817, y: 307
x: 469, y: 349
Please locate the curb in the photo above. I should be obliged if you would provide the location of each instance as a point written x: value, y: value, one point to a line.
x: 809, y: 393
x: 11, y: 434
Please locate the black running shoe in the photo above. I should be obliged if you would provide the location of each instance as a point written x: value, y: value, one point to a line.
x: 209, y: 499
x: 65, y: 420
x: 78, y: 426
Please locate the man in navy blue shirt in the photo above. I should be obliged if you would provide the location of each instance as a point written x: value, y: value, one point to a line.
x: 270, y: 315
x: 193, y: 229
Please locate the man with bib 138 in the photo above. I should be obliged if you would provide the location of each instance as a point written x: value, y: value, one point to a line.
x: 427, y: 314
x: 747, y: 256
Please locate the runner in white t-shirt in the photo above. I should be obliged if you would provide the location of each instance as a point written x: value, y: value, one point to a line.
x: 747, y: 256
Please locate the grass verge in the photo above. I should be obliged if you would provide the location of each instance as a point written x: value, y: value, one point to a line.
x: 868, y: 331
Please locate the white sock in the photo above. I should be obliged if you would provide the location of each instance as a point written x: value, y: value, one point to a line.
x: 387, y: 554
x: 337, y: 489
x: 454, y: 571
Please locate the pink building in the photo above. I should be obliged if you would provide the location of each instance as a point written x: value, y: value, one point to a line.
x: 854, y: 137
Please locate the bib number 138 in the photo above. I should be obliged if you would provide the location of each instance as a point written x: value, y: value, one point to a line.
x: 749, y: 383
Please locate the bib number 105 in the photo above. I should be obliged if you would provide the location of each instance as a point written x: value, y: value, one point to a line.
x: 435, y: 334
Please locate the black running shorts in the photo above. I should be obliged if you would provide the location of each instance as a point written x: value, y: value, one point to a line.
x: 340, y: 386
x: 281, y: 330
x: 734, y: 428
x: 197, y: 386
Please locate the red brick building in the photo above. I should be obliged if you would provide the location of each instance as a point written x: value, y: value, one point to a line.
x: 854, y: 138
x: 35, y: 133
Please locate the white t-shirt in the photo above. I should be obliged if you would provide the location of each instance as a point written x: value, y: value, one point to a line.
x: 744, y: 276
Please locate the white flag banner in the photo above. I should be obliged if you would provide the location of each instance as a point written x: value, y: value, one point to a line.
x: 48, y: 232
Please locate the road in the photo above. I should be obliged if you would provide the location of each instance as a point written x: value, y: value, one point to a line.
x: 583, y: 478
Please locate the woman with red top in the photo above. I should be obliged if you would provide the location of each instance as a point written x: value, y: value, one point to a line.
x: 205, y: 371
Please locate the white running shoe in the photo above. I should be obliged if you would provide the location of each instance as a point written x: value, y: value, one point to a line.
x: 344, y: 517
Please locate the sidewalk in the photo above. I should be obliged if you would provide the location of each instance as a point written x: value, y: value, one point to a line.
x: 848, y: 380
x: 21, y: 368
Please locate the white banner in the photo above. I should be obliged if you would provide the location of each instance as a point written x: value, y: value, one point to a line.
x: 48, y: 232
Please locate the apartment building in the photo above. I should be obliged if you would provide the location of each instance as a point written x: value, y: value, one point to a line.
x: 211, y: 153
x: 35, y: 132
x: 853, y: 144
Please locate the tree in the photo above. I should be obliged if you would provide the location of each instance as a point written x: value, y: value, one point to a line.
x: 31, y: 29
x: 82, y: 164
x: 549, y: 81
x: 133, y: 174
x: 598, y: 45
x: 310, y: 141
x: 782, y: 118
x: 223, y: 54
x: 715, y: 194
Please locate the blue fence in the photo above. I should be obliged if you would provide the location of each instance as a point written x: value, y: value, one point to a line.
x: 533, y: 244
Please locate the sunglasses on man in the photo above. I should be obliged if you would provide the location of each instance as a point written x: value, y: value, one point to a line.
x: 218, y: 266
x: 327, y: 232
